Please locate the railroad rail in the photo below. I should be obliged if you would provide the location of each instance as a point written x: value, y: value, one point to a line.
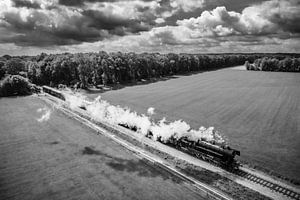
x: 260, y: 181
x: 288, y: 193
x: 270, y: 185
x: 210, y: 193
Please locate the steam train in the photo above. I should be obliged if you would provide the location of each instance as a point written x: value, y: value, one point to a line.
x: 220, y: 155
x: 217, y: 154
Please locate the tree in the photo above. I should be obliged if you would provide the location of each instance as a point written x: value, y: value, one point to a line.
x: 84, y: 70
x: 14, y: 66
x: 32, y: 70
x: 14, y: 85
x: 2, y: 69
x: 287, y: 64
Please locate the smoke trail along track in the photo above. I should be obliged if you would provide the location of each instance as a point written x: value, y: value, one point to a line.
x: 253, y: 178
x: 210, y: 192
x: 273, y: 186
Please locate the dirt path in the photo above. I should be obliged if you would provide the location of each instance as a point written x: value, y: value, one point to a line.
x: 61, y: 159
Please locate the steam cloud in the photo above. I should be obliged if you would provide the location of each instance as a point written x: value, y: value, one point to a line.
x: 46, y: 112
x: 150, y: 111
x: 101, y: 110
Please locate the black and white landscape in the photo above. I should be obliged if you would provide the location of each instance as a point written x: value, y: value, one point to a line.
x: 149, y: 99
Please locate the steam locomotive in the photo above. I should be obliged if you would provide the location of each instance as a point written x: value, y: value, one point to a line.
x: 217, y: 154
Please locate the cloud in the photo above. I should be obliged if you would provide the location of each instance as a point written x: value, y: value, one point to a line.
x: 270, y: 17
x: 46, y: 28
x: 113, y: 23
x: 185, y: 5
x: 285, y: 14
x: 222, y: 28
x: 27, y: 4
x: 66, y: 26
x: 145, y: 25
x: 220, y: 22
x: 71, y: 2
x: 160, y: 20
x: 82, y: 2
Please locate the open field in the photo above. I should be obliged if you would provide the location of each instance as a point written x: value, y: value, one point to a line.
x: 59, y: 158
x: 258, y: 112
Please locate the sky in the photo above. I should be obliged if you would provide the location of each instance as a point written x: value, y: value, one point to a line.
x: 29, y: 27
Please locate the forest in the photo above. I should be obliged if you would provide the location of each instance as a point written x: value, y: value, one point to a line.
x: 83, y: 70
x: 286, y: 64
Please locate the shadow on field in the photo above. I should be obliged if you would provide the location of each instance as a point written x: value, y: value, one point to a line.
x: 53, y: 143
x: 141, y: 167
x: 92, y: 151
x: 109, y: 87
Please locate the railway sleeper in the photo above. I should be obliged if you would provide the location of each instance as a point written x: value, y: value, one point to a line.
x: 261, y: 182
x: 255, y: 179
x: 296, y: 195
x: 266, y: 183
x: 292, y: 194
x: 280, y: 189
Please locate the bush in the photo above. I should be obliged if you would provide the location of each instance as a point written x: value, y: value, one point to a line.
x: 15, y: 85
x: 273, y: 64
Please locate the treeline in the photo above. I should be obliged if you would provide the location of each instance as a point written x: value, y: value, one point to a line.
x: 287, y: 64
x: 84, y: 69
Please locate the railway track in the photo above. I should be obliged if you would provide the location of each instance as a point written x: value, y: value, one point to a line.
x: 211, y: 193
x: 260, y: 181
x: 270, y: 185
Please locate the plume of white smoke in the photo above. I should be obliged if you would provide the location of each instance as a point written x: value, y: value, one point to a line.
x: 207, y: 134
x: 150, y: 111
x: 164, y: 131
x: 46, y: 112
x: 75, y: 100
x: 103, y: 111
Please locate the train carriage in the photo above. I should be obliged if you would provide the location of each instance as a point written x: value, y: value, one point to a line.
x: 53, y: 92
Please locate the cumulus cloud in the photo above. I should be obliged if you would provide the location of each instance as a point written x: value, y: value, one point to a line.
x: 27, y: 4
x: 221, y: 30
x: 220, y: 22
x: 256, y: 25
x: 185, y: 5
x: 160, y: 20
x: 285, y: 14
x: 33, y: 23
x: 148, y: 25
x: 267, y: 18
x: 82, y: 2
